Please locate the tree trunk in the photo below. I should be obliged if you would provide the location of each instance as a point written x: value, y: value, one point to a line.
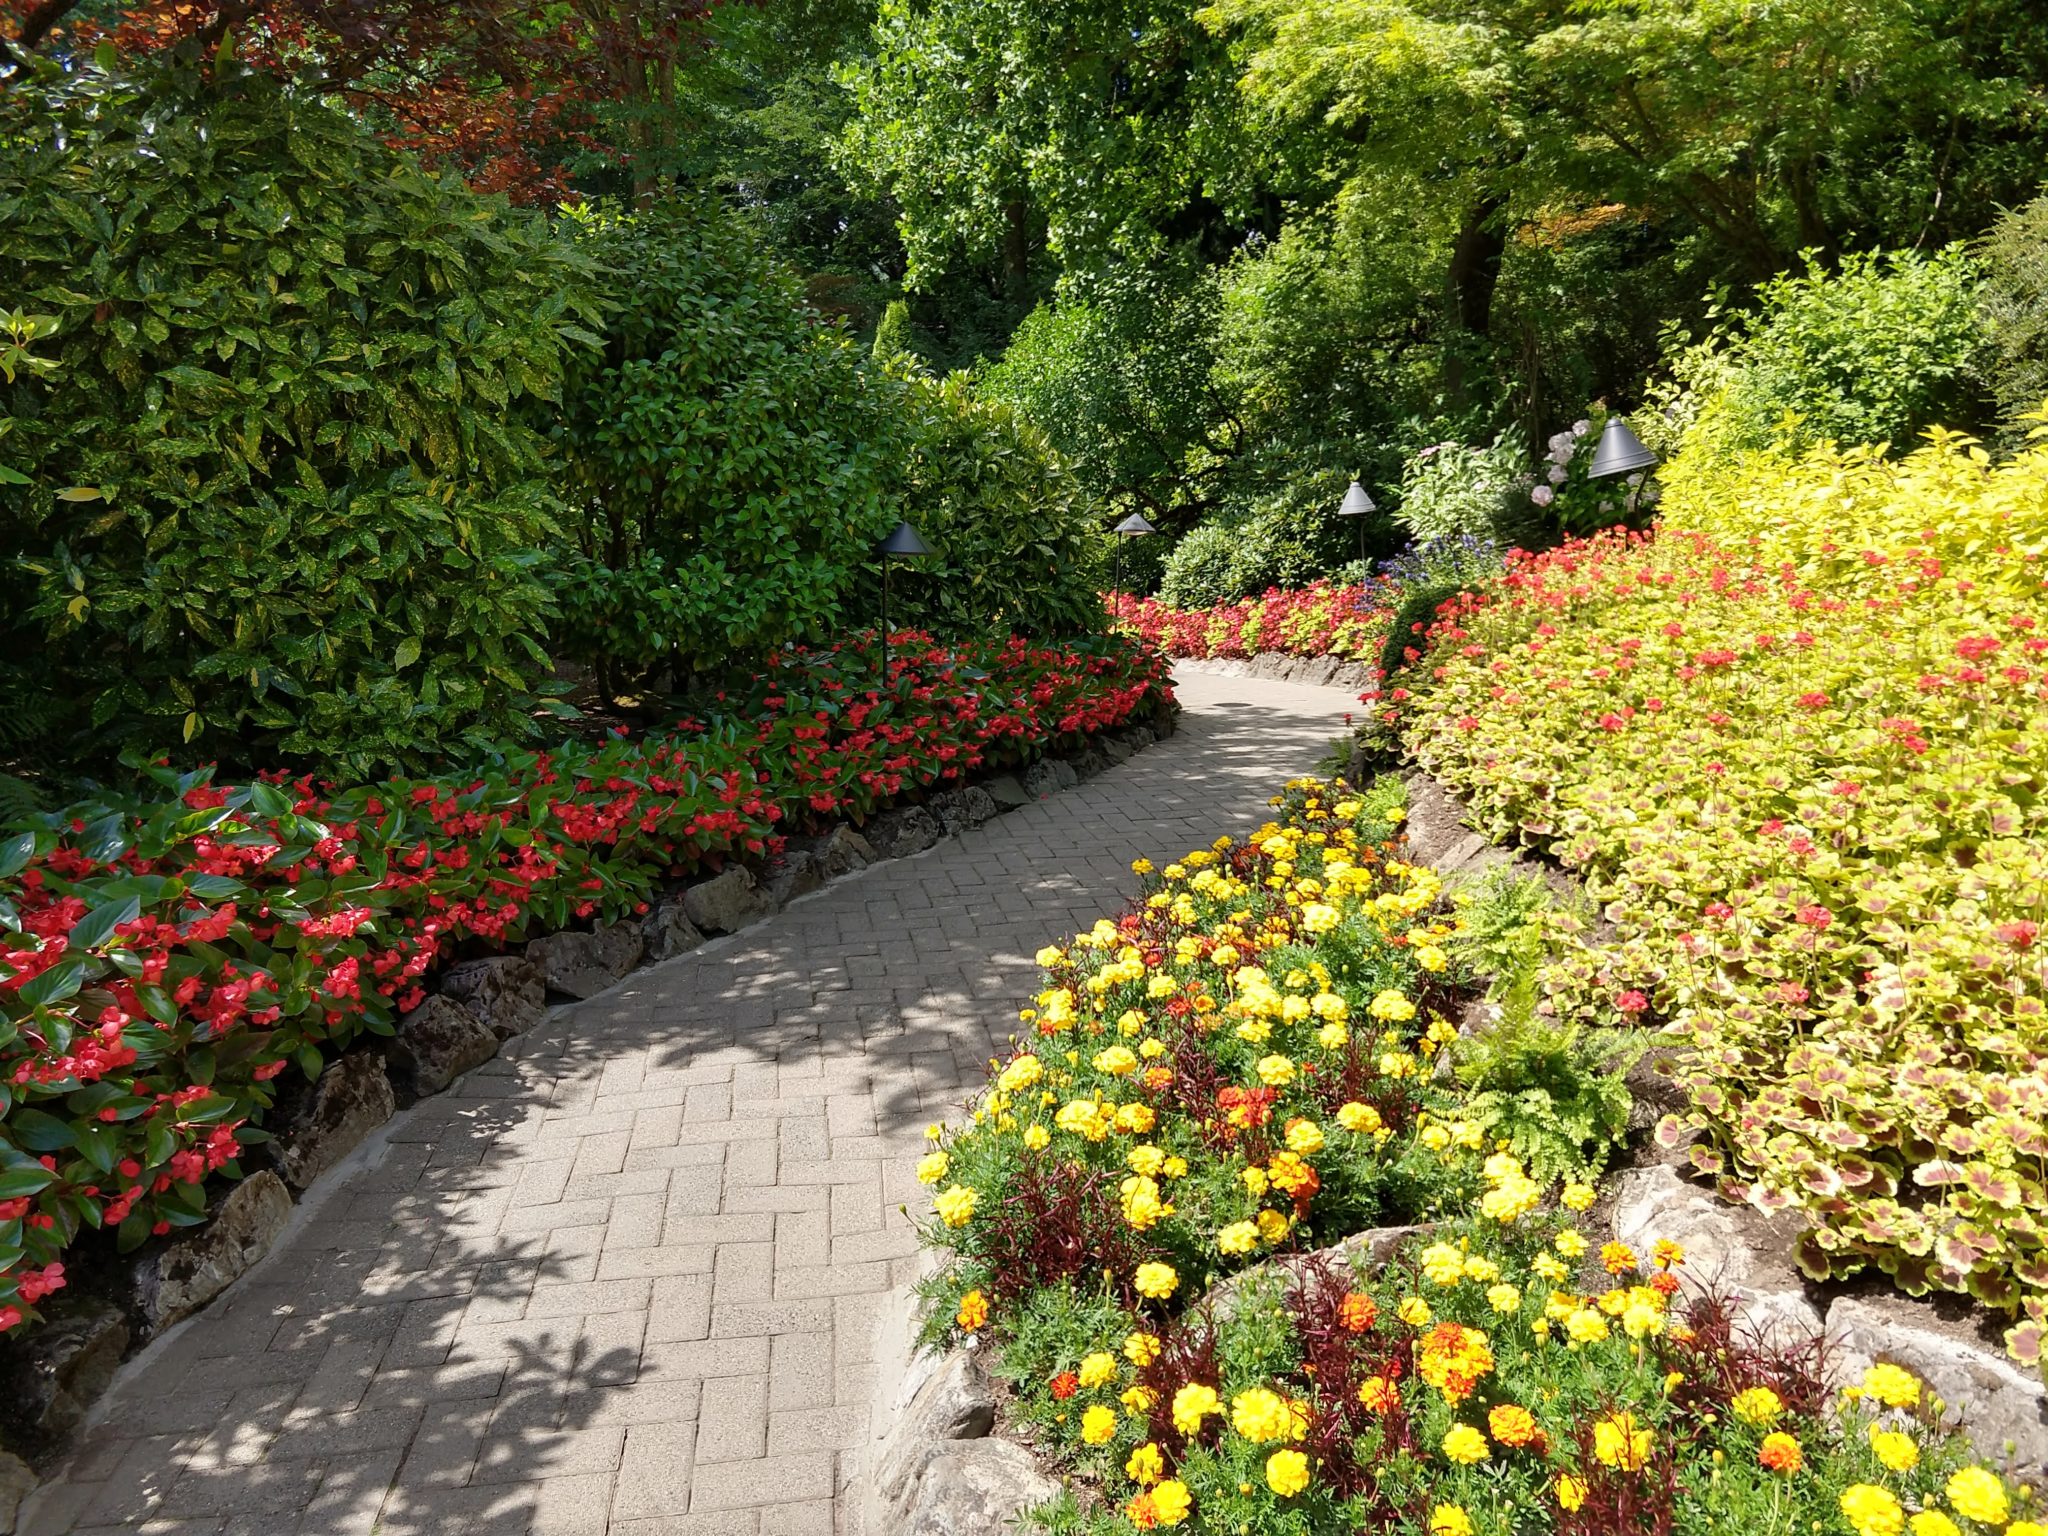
x: 1469, y: 284
x: 1016, y: 247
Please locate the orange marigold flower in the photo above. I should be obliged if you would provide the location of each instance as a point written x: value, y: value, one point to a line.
x: 1064, y: 1384
x: 1781, y: 1453
x: 1357, y: 1312
x: 1452, y: 1358
x: 1617, y: 1258
x: 1664, y: 1283
x: 1380, y: 1394
x: 1512, y: 1425
x: 973, y: 1311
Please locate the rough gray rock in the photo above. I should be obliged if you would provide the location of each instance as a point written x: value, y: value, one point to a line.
x: 900, y: 833
x: 1007, y: 792
x: 727, y: 902
x: 840, y: 852
x: 190, y: 1272
x: 1729, y: 1249
x: 17, y: 1482
x: 584, y: 964
x: 2003, y: 1410
x: 974, y: 1487
x: 1064, y: 773
x: 1040, y: 780
x: 949, y: 809
x: 790, y: 874
x: 1436, y: 820
x: 1117, y: 749
x: 955, y: 1403
x: 65, y: 1365
x: 1362, y: 1251
x: 1165, y: 720
x: 1089, y: 762
x: 352, y: 1098
x: 436, y: 1043
x: 666, y: 931
x: 506, y: 992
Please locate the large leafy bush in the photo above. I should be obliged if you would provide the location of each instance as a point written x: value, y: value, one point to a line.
x: 283, y: 499
x: 730, y: 457
x: 1014, y: 540
x: 163, y: 960
x: 1872, y: 352
x: 2014, y: 302
x: 1797, y: 742
x: 1451, y: 491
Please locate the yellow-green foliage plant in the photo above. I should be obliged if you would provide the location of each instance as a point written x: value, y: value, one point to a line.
x: 1796, y: 741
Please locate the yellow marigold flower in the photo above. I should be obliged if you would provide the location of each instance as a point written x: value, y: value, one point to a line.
x: 932, y: 1167
x: 1380, y: 1394
x: 1872, y: 1511
x: 1262, y: 1415
x: 1756, y: 1405
x: 1430, y: 958
x: 956, y: 1205
x: 1317, y: 917
x: 973, y: 1311
x: 1641, y: 1319
x: 1481, y: 1269
x: 1617, y: 1258
x: 1083, y: 1117
x: 1304, y: 1137
x: 1142, y: 1206
x: 1138, y: 1399
x: 1275, y: 1071
x: 1898, y: 1452
x: 1667, y: 1254
x: 1141, y: 866
x: 1176, y: 1167
x: 1621, y: 1443
x: 1098, y: 1424
x: 1156, y: 1280
x: 1449, y: 1520
x: 1238, y: 1238
x: 1137, y: 1119
x: 1141, y: 1348
x: 1146, y: 1159
x: 1359, y: 1118
x: 1022, y: 1073
x: 1583, y: 1325
x: 2026, y: 1528
x: 1037, y: 1138
x: 1413, y: 1311
x: 1152, y: 1048
x: 1050, y: 956
x: 1392, y: 1007
x: 1442, y: 1264
x: 1333, y: 1036
x: 1117, y: 1061
x: 1097, y: 1369
x: 1571, y: 1244
x: 1932, y: 1522
x: 1272, y: 1226
x: 1465, y: 1445
x: 1287, y: 1473
x: 1579, y: 1197
x: 1892, y: 1386
x: 1978, y: 1495
x: 1510, y: 1200
x: 1504, y: 1299
x: 1145, y: 1465
x: 1193, y: 1403
x: 1171, y: 1502
x: 1571, y: 1493
x: 1545, y: 1267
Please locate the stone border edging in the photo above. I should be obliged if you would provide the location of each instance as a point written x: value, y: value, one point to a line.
x: 65, y: 1366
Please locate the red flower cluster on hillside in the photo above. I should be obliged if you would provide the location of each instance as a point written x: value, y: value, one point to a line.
x: 1323, y: 619
x: 161, y: 962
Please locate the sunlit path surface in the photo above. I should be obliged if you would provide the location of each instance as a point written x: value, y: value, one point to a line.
x: 625, y: 1277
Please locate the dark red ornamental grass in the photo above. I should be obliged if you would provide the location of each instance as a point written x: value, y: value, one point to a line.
x: 1058, y: 1220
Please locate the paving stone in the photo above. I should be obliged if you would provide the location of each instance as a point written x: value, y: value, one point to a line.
x: 634, y: 1288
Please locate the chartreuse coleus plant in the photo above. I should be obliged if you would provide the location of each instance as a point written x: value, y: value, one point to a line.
x: 1797, y: 743
x: 164, y: 958
x: 1236, y: 1070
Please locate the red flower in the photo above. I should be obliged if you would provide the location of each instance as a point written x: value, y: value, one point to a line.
x: 1064, y: 1385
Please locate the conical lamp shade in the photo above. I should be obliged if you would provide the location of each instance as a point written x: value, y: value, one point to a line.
x: 1356, y: 503
x: 1620, y: 452
x: 902, y: 544
x: 1134, y: 525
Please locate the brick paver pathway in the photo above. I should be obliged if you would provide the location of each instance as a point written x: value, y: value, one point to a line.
x: 623, y: 1281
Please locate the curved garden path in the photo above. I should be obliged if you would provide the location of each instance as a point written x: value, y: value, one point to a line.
x: 623, y: 1280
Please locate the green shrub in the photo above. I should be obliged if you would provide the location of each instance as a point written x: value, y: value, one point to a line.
x: 1450, y: 491
x: 2013, y: 305
x: 1198, y: 571
x: 283, y: 499
x: 728, y: 452
x: 1015, y: 545
x: 1874, y: 352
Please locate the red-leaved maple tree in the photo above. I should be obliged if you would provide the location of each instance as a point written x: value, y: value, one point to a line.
x: 510, y: 92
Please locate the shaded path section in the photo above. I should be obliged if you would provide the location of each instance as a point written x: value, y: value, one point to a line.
x: 623, y: 1280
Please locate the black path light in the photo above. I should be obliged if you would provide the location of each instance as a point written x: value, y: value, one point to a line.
x: 1621, y: 452
x: 1132, y: 527
x: 901, y: 543
x: 1357, y: 504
